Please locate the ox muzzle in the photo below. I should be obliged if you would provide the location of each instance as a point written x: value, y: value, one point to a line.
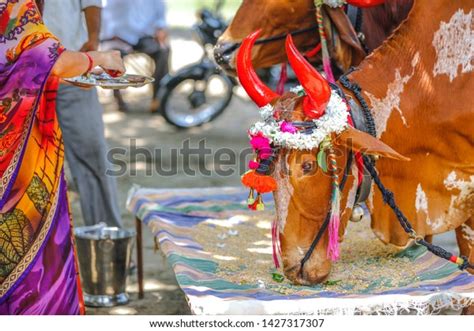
x: 224, y: 56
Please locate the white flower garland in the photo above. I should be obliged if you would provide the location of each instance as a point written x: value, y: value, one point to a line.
x: 334, y: 3
x: 333, y: 121
x: 297, y: 89
x: 266, y: 112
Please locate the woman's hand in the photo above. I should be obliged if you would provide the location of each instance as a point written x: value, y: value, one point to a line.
x: 71, y: 64
x: 110, y: 61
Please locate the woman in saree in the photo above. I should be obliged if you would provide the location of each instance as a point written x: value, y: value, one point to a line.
x: 38, y: 271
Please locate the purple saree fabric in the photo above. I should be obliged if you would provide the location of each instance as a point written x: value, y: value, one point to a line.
x: 38, y: 273
x: 50, y: 286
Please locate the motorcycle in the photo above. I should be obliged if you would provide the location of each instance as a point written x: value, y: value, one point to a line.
x: 200, y: 92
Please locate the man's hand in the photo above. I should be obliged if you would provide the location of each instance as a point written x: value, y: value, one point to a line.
x: 161, y: 36
x: 90, y: 45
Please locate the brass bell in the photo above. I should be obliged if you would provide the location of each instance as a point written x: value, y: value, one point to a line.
x: 357, y: 213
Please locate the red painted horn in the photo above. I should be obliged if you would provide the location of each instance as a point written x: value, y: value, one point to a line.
x: 316, y: 87
x: 255, y: 88
x: 365, y: 3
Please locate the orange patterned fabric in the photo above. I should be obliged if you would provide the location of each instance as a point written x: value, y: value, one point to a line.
x: 37, y: 270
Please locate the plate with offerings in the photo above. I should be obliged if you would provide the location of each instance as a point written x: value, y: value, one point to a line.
x: 106, y: 81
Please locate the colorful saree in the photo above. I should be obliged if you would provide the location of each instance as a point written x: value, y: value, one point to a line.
x: 38, y: 272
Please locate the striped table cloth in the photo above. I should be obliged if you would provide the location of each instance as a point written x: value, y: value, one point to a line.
x: 179, y: 217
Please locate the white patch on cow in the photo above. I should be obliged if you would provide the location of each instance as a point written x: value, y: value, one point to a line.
x: 461, y: 206
x: 454, y: 45
x: 283, y: 193
x: 382, y: 108
x: 421, y: 200
x: 452, y: 182
x: 436, y: 225
x: 468, y: 233
x: 300, y: 250
x: 421, y: 206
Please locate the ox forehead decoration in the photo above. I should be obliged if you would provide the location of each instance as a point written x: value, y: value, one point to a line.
x: 326, y: 113
x: 281, y: 133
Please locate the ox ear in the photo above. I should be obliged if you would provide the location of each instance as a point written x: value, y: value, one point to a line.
x: 362, y: 142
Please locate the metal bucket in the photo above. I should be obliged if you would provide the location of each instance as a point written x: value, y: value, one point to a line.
x: 104, y: 257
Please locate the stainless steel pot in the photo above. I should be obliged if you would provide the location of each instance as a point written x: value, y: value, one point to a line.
x: 104, y: 257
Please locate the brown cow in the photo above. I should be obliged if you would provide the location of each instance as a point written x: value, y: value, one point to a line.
x: 419, y: 86
x: 278, y: 17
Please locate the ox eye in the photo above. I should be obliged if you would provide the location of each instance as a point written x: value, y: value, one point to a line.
x: 307, y: 167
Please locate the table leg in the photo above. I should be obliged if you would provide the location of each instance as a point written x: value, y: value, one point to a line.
x: 138, y: 227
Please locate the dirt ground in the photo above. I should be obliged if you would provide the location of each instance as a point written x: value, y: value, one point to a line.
x: 163, y: 295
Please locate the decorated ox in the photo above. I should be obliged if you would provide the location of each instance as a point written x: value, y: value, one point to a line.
x: 418, y: 86
x: 279, y: 17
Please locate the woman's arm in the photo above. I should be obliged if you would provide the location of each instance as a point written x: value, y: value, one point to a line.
x: 71, y: 64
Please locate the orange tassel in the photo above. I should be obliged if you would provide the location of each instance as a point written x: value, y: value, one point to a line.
x: 260, y: 183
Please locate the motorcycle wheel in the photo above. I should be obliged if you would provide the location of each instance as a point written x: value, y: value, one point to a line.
x: 190, y: 101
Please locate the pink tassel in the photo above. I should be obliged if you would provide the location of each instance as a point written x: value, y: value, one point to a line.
x: 253, y: 165
x: 334, y: 222
x: 288, y: 127
x: 276, y: 244
x: 265, y: 153
x: 283, y: 78
x: 324, y: 46
x: 328, y: 70
x: 259, y: 142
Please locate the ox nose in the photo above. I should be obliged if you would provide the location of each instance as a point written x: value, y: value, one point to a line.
x: 307, y: 276
x: 223, y: 53
x: 311, y: 277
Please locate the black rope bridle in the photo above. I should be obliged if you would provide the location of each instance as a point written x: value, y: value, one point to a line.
x: 387, y: 195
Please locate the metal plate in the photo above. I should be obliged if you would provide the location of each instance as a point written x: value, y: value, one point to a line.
x: 122, y: 82
x: 105, y: 300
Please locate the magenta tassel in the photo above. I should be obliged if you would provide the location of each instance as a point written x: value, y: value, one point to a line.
x: 328, y: 70
x: 334, y: 222
x: 276, y: 244
x: 333, y: 246
x: 324, y: 46
x: 283, y: 78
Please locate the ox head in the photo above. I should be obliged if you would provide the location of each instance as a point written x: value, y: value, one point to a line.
x: 274, y: 18
x: 298, y: 176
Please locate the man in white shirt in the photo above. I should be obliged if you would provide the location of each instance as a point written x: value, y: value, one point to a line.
x: 141, y: 24
x: 80, y: 113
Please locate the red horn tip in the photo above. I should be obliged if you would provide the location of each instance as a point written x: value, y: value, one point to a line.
x: 317, y: 88
x: 255, y: 88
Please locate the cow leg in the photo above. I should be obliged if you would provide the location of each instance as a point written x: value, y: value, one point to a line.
x: 470, y: 310
x: 465, y: 239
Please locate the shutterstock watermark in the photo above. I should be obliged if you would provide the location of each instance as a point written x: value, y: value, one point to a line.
x: 198, y: 159
x: 188, y: 159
